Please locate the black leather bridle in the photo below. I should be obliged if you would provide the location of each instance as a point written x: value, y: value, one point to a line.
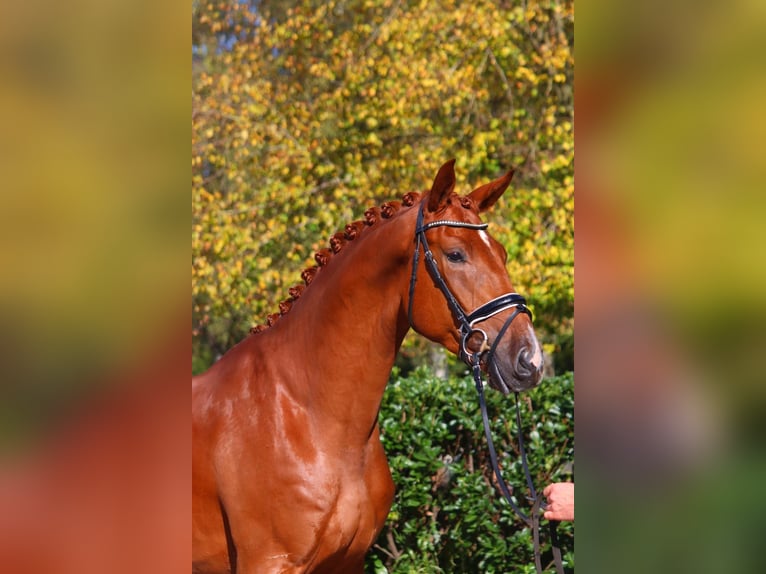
x: 466, y: 321
x: 467, y: 327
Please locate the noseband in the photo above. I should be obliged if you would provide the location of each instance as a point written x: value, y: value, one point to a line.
x: 466, y: 324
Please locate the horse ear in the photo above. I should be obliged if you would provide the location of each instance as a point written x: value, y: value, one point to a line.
x: 443, y: 186
x: 486, y: 195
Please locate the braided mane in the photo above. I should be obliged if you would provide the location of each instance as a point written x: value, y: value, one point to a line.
x: 338, y: 240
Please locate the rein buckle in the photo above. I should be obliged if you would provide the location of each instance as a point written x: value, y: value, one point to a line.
x: 484, y: 346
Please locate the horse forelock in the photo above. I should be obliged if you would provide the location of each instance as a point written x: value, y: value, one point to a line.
x: 469, y: 203
x: 352, y: 231
x: 453, y: 200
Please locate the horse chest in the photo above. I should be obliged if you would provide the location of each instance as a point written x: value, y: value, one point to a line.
x: 339, y: 511
x: 356, y: 508
x: 351, y: 524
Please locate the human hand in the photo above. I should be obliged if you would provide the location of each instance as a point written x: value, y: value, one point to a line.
x: 560, y: 497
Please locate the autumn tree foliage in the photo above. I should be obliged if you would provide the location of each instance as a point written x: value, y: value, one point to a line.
x: 306, y: 113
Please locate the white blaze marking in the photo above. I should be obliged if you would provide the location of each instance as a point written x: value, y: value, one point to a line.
x: 485, y: 238
x: 537, y: 357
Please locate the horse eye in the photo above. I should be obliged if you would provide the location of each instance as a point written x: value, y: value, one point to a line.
x: 455, y: 256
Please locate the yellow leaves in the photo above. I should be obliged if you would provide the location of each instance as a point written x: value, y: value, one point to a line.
x: 524, y: 73
x: 557, y: 62
x: 225, y: 82
x: 312, y: 120
x: 321, y: 70
x: 373, y: 139
x: 205, y: 195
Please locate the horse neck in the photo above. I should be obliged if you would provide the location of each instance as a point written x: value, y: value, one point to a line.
x: 347, y: 327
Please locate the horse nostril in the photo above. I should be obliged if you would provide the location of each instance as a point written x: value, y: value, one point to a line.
x: 524, y: 367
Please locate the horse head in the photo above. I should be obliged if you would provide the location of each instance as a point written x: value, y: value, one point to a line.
x: 461, y: 296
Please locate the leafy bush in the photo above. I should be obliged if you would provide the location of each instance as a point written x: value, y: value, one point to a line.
x: 463, y: 524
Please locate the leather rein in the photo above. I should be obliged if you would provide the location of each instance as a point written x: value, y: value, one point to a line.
x: 467, y: 326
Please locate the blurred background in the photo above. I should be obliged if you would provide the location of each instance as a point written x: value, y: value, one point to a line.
x: 94, y: 216
x: 670, y: 283
x: 93, y: 115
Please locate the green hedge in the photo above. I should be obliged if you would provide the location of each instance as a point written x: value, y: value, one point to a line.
x: 466, y: 526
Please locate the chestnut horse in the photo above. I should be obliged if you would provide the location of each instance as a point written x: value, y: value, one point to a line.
x: 288, y: 470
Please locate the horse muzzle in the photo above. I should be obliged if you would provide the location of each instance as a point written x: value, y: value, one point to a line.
x: 513, y: 360
x: 518, y: 370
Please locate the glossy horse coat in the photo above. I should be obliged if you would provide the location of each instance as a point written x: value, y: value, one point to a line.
x: 289, y: 474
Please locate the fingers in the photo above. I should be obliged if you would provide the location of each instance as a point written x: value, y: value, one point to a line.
x: 556, y: 512
x: 560, y: 498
